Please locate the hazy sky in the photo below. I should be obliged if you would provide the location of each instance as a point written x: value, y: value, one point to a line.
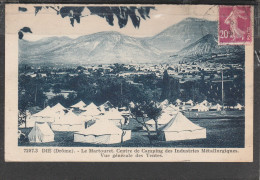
x: 47, y: 23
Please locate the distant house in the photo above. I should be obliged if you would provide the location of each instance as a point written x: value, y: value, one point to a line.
x: 73, y: 74
x: 61, y: 73
x: 31, y: 74
x: 136, y: 84
x: 131, y: 73
x: 107, y: 70
x: 213, y: 55
x: 172, y: 72
x: 86, y: 72
x: 49, y: 95
x: 66, y: 93
x: 43, y: 74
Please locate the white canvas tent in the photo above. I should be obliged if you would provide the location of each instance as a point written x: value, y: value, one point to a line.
x: 105, y: 107
x: 170, y: 110
x: 162, y: 120
x: 108, y: 105
x: 102, y: 108
x: 190, y: 102
x: 69, y: 122
x: 239, y: 107
x: 30, y: 121
x: 115, y: 117
x: 80, y: 105
x: 90, y: 106
x: 164, y: 103
x: 91, y: 110
x: 176, y: 108
x: 46, y: 112
x: 183, y: 108
x: 89, y: 117
x: 58, y: 108
x: 41, y: 133
x: 46, y: 115
x: 178, y: 102
x: 205, y: 103
x: 102, y: 132
x: 181, y: 128
x: 199, y: 108
x: 217, y: 107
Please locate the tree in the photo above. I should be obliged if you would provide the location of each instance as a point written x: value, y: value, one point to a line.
x: 57, y: 99
x: 72, y: 99
x: 24, y: 102
x: 56, y: 88
x: 23, y: 30
x: 165, y: 85
x: 170, y: 87
x: 75, y: 13
x: 153, y: 112
x: 140, y: 112
x: 30, y: 93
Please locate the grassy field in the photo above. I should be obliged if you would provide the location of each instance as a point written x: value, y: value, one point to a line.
x: 221, y: 133
x: 214, y: 114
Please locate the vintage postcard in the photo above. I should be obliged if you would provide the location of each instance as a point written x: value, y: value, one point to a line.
x: 129, y: 83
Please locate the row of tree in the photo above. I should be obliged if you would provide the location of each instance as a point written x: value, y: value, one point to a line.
x: 120, y: 92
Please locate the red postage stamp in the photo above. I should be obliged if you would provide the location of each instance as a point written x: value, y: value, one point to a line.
x: 234, y: 25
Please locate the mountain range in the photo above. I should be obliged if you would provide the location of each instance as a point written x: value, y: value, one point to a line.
x: 186, y: 38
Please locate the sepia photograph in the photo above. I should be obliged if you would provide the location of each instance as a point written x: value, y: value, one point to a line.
x: 150, y: 79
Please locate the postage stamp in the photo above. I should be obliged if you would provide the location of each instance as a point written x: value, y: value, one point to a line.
x: 128, y: 83
x: 235, y: 26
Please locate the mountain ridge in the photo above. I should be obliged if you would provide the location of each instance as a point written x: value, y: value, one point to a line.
x: 207, y: 45
x: 113, y: 47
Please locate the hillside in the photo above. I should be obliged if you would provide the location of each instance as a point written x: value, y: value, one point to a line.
x: 208, y: 45
x: 182, y: 34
